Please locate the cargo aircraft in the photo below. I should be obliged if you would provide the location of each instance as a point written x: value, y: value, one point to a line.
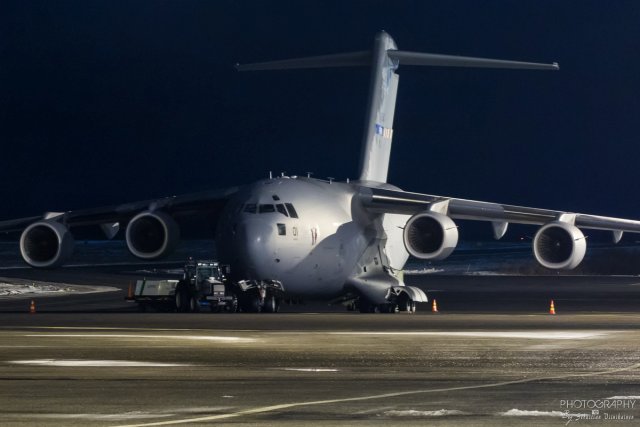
x: 323, y: 239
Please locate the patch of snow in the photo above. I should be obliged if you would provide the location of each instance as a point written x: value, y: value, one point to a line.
x: 415, y: 413
x: 134, y: 415
x: 91, y: 363
x: 624, y: 397
x: 29, y: 289
x: 524, y: 413
x: 425, y: 271
x: 156, y: 337
x: 487, y: 273
x: 7, y: 289
x: 310, y: 369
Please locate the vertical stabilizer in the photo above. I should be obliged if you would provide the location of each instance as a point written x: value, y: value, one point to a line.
x: 378, y: 132
x: 384, y: 60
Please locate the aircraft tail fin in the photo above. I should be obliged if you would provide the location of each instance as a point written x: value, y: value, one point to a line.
x: 384, y: 59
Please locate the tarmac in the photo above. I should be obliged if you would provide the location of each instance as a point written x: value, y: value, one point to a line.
x: 491, y: 356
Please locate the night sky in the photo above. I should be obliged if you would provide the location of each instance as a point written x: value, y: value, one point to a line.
x: 104, y: 102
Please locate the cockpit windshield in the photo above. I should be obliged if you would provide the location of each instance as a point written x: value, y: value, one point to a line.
x: 267, y: 209
x: 285, y: 209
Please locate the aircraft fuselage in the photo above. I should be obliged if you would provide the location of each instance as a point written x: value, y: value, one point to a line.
x: 309, y: 234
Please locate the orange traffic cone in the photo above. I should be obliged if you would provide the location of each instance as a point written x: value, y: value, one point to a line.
x: 130, y: 293
x: 552, y: 308
x: 32, y: 307
x: 434, y: 306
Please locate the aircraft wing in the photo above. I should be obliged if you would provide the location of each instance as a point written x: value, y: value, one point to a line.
x: 401, y: 202
x: 182, y: 205
x: 431, y: 234
x: 151, y: 229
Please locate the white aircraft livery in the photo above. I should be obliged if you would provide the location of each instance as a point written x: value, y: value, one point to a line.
x: 322, y: 239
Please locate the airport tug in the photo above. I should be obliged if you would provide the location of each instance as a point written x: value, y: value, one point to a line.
x: 205, y: 284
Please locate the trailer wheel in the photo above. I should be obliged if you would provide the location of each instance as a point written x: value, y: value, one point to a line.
x: 182, y: 299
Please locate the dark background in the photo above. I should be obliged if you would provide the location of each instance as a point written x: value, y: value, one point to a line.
x: 104, y: 102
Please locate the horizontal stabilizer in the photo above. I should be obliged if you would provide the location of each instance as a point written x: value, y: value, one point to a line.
x: 352, y: 59
x: 436, y: 60
x: 384, y: 59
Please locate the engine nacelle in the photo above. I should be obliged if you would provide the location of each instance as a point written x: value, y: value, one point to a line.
x: 430, y: 235
x: 559, y: 246
x: 46, y: 244
x: 151, y: 235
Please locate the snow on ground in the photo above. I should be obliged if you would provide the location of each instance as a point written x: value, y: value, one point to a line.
x: 415, y: 413
x: 16, y: 288
x: 424, y: 270
x: 7, y: 289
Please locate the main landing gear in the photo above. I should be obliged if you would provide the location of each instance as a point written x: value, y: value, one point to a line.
x: 401, y: 305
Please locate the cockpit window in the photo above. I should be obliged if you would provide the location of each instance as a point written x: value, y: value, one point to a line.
x: 280, y: 208
x: 292, y: 210
x: 250, y: 208
x: 267, y: 209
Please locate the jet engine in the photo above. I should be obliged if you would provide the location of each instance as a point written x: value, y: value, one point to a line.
x: 151, y: 235
x: 46, y: 244
x: 430, y: 235
x: 559, y: 246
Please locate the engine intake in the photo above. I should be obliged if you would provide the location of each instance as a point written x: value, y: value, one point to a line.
x: 559, y: 246
x: 46, y: 244
x: 151, y: 235
x: 430, y: 235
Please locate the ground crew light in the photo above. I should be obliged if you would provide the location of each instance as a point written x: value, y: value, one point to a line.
x: 552, y: 308
x: 434, y: 306
x: 32, y: 307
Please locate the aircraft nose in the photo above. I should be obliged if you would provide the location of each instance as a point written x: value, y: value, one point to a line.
x: 257, y: 242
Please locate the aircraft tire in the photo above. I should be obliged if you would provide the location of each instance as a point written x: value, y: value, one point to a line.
x: 252, y: 304
x: 406, y: 304
x: 270, y: 305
